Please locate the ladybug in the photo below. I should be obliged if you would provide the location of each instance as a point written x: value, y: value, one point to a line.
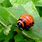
x: 25, y: 22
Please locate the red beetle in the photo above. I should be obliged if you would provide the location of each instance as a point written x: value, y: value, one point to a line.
x: 25, y: 22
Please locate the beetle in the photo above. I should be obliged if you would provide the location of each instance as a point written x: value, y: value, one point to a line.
x: 25, y: 22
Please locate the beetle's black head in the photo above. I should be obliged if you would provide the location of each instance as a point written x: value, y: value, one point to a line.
x: 19, y: 25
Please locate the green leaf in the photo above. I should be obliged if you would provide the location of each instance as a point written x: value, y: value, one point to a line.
x: 39, y: 10
x: 2, y: 36
x: 18, y: 2
x: 21, y: 38
x: 6, y: 19
x: 6, y: 3
x: 17, y: 11
x: 1, y: 28
x: 1, y: 1
x: 4, y: 15
x: 37, y: 2
x: 9, y: 36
